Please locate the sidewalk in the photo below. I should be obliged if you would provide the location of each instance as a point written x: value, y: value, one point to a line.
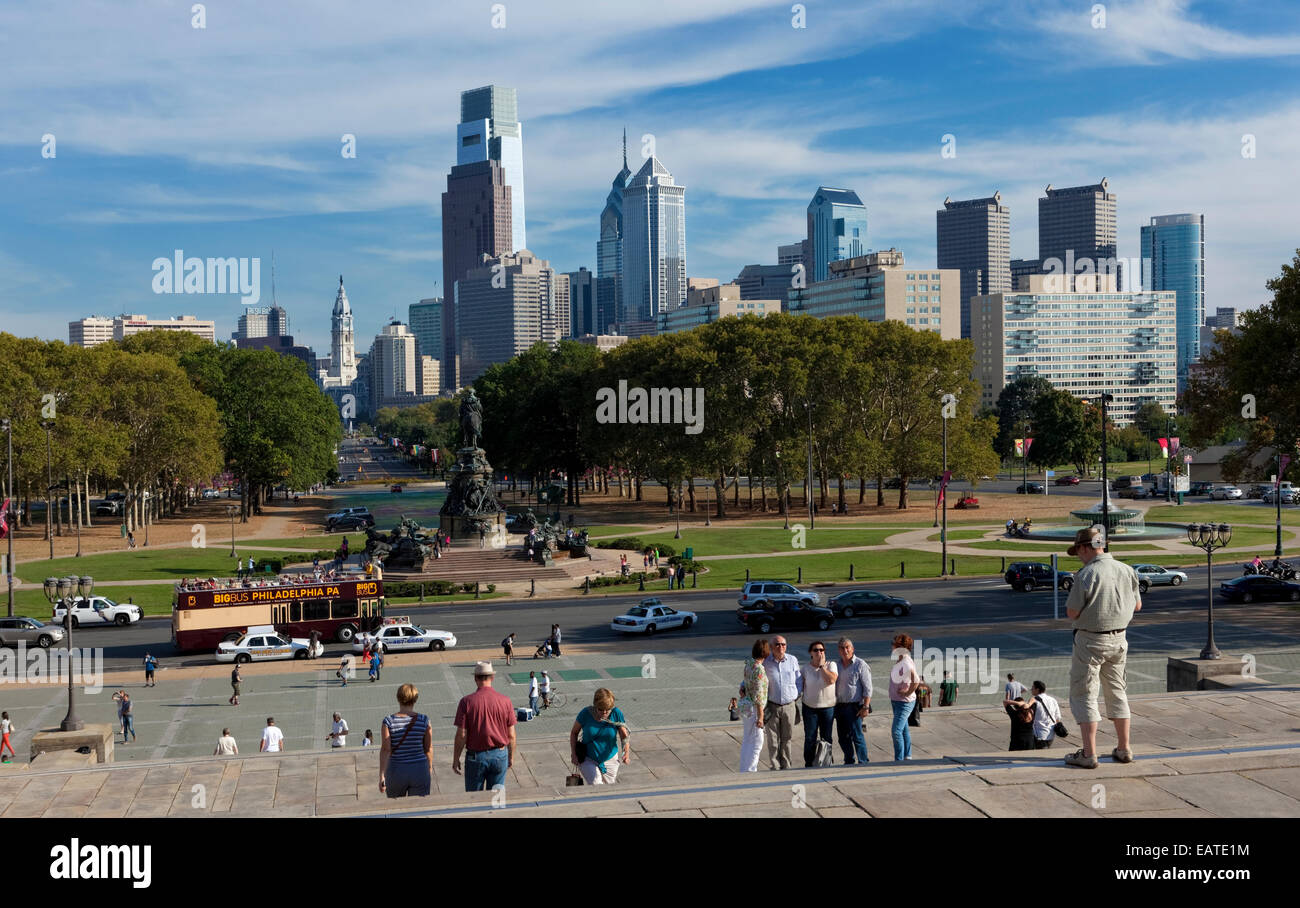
x: 1230, y: 754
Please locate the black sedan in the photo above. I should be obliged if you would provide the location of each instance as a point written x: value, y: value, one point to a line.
x: 861, y: 602
x: 350, y: 522
x: 1032, y: 488
x: 766, y: 616
x: 1255, y: 587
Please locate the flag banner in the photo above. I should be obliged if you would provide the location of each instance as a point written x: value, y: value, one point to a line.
x: 4, y: 520
x: 1173, y: 445
x: 1029, y: 442
x: 1164, y: 446
x: 1020, y: 447
x: 943, y: 484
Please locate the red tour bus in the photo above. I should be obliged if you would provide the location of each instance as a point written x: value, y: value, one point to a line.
x: 204, y: 615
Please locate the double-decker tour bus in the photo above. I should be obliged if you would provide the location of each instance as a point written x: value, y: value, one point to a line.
x: 205, y: 613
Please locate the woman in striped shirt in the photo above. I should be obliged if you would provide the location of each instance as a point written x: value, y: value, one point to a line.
x: 406, y: 755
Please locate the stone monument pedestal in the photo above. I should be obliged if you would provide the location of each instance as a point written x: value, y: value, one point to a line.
x: 471, y: 508
x: 1207, y: 674
x: 98, y: 736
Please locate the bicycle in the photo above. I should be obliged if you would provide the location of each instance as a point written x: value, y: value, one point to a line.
x: 556, y: 700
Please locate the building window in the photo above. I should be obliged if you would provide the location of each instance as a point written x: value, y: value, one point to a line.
x: 911, y: 321
x: 911, y: 277
x: 911, y: 308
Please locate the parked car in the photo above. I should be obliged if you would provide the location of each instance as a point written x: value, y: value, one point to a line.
x: 350, y: 522
x: 1029, y: 575
x: 99, y: 610
x: 765, y: 616
x: 775, y: 591
x: 1260, y: 587
x: 1258, y: 489
x: 860, y: 602
x: 1031, y: 488
x: 1199, y: 487
x: 1150, y: 575
x: 1225, y: 493
x: 1067, y: 480
x: 108, y: 509
x: 20, y: 629
x: 209, y: 494
x: 1134, y: 492
x: 649, y: 616
x: 398, y: 634
x: 395, y: 488
x: 1271, y: 495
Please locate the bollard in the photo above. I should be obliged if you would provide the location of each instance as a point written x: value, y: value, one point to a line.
x: 475, y: 589
x: 421, y: 592
x: 586, y: 585
x: 851, y: 573
x: 1004, y: 564
x: 694, y: 577
x: 902, y: 568
x: 532, y: 586
x: 954, y: 570
x: 800, y: 580
x: 747, y: 575
x: 642, y: 586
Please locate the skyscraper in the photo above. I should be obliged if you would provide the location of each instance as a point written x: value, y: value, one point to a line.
x: 654, y: 243
x: 343, y: 358
x: 507, y: 304
x: 425, y: 320
x: 1173, y: 258
x: 394, y: 368
x: 837, y: 229
x: 609, y: 252
x: 974, y: 236
x: 1078, y: 223
x: 475, y: 222
x: 269, y: 321
x: 582, y: 304
x: 490, y: 130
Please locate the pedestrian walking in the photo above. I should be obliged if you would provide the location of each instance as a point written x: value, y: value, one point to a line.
x: 947, y: 691
x: 533, y: 692
x: 376, y: 663
x: 226, y: 746
x: 130, y: 539
x: 1047, y: 716
x: 125, y: 714
x: 753, y: 700
x: 345, y: 666
x: 1102, y: 602
x: 672, y: 576
x: 544, y: 689
x: 338, y: 736
x: 368, y: 739
x: 818, y: 706
x: 903, y: 682
x: 272, y: 738
x: 6, y: 729
x: 236, y: 679
x: 508, y: 645
x: 1021, y: 712
x: 150, y: 666
x: 555, y: 639
x: 485, y: 733
x: 1014, y: 690
x: 605, y: 743
x: 406, y: 752
x: 852, y: 704
x: 784, y: 688
x: 251, y: 569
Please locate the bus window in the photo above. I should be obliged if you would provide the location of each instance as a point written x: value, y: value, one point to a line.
x: 295, y: 611
x: 317, y: 610
x: 345, y: 608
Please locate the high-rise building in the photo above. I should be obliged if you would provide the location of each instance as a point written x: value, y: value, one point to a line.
x: 1224, y: 317
x: 265, y: 321
x: 1023, y: 268
x: 879, y: 286
x: 282, y: 344
x: 507, y: 304
x: 490, y: 130
x: 1077, y: 223
x: 707, y: 303
x: 793, y: 254
x: 609, y: 252
x: 475, y: 222
x: 1083, y: 336
x: 766, y: 282
x: 837, y: 229
x: 343, y: 357
x: 396, y: 377
x: 654, y: 243
x: 425, y: 321
x: 582, y: 303
x: 97, y: 329
x: 1173, y: 258
x: 974, y: 236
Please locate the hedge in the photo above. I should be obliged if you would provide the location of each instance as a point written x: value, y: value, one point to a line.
x: 638, y: 545
x: 405, y: 588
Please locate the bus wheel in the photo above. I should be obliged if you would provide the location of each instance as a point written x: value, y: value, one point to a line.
x: 345, y: 634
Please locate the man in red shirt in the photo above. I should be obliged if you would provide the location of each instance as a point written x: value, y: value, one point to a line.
x: 485, y: 732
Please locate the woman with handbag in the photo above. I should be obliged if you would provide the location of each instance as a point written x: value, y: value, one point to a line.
x: 1021, y: 712
x: 605, y: 743
x: 903, y: 682
x: 818, y: 707
x: 406, y: 754
x: 753, y: 697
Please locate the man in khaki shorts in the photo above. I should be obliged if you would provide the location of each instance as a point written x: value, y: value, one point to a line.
x: 1101, y: 604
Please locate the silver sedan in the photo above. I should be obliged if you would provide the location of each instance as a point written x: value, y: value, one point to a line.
x: 1150, y: 575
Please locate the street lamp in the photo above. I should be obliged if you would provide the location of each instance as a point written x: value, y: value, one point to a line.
x: 1209, y: 536
x: 1105, y: 471
x: 678, y: 534
x: 943, y: 533
x: 782, y: 492
x: 1277, y: 500
x: 47, y: 425
x: 1169, y: 456
x: 10, y: 518
x: 231, y: 510
x: 708, y: 487
x: 812, y: 512
x: 61, y: 589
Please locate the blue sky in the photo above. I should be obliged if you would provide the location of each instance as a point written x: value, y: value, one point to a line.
x: 225, y: 141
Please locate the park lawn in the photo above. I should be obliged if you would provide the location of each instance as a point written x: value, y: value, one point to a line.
x: 725, y: 540
x: 1048, y: 547
x: 394, y: 601
x: 153, y: 599
x: 149, y: 564
x: 954, y: 535
x: 1234, y: 514
x: 611, y: 531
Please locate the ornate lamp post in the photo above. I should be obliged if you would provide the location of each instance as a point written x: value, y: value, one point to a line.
x: 707, y: 506
x: 1209, y: 536
x: 678, y: 509
x: 62, y: 589
x: 781, y: 492
x: 812, y: 513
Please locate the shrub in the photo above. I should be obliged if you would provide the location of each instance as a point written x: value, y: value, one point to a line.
x: 637, y: 544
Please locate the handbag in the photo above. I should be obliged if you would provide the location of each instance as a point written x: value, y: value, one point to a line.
x: 825, y: 755
x: 573, y: 779
x: 1058, y: 727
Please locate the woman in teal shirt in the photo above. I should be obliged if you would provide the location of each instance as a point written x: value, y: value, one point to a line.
x: 605, y: 738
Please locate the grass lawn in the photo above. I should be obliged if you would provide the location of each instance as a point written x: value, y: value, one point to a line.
x: 154, y: 599
x: 954, y: 535
x: 598, y: 530
x: 754, y: 540
x: 1048, y: 547
x: 153, y: 564
x: 1261, y: 515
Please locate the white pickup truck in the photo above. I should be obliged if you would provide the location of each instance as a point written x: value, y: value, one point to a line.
x: 98, y: 610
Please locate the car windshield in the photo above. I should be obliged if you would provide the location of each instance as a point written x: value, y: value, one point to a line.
x: 637, y: 612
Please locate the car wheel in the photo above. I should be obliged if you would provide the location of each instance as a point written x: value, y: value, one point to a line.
x: 437, y: 646
x: 1143, y: 586
x: 44, y: 641
x: 75, y: 623
x: 1247, y: 597
x: 122, y: 620
x: 847, y: 611
x: 243, y: 658
x: 1176, y: 581
x: 687, y: 622
x: 897, y: 611
x: 300, y: 654
x: 650, y: 630
x: 765, y: 627
x: 1295, y: 596
x: 823, y: 624
x: 345, y: 634
x: 1027, y: 586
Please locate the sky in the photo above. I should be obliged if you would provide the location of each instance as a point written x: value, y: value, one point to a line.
x: 226, y: 140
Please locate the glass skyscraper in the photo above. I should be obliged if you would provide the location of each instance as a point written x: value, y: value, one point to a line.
x: 1173, y: 258
x: 837, y: 229
x: 654, y: 243
x: 609, y: 253
x: 489, y: 129
x: 974, y: 236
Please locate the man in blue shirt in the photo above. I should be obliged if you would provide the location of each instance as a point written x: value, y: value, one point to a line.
x: 852, y: 703
x: 150, y: 666
x: 784, y: 690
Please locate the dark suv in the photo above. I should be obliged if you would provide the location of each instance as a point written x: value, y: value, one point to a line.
x: 765, y: 616
x: 1028, y: 575
x: 351, y: 522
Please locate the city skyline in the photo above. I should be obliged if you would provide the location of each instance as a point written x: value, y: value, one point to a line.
x: 127, y: 185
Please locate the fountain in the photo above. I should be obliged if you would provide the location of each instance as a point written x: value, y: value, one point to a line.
x: 1128, y: 523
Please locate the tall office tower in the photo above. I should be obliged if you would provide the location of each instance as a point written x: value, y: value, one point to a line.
x: 490, y: 130
x: 582, y: 303
x: 343, y: 359
x: 974, y: 236
x: 609, y: 252
x: 1224, y: 317
x: 766, y: 282
x: 475, y: 222
x: 394, y: 367
x: 425, y: 321
x: 1173, y: 258
x: 277, y: 322
x: 654, y: 243
x: 1078, y: 223
x: 793, y: 254
x: 268, y: 321
x: 837, y: 229
x: 507, y: 304
x: 1022, y: 268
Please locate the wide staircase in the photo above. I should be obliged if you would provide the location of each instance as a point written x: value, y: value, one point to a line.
x: 466, y: 563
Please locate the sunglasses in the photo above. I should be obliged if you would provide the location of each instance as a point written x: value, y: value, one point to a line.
x: 818, y: 649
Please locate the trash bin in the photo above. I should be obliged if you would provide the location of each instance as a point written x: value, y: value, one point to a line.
x: 1180, y: 497
x: 689, y: 554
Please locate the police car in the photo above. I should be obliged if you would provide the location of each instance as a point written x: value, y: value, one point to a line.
x: 264, y: 643
x: 649, y: 616
x: 99, y: 610
x: 398, y: 634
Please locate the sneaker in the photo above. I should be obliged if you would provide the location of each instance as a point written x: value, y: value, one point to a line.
x: 1121, y: 756
x: 1080, y: 759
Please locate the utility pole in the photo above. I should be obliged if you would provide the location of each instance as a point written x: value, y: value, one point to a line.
x: 10, y: 518
x: 812, y: 512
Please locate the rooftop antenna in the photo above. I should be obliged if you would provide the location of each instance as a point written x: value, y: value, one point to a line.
x: 625, y: 148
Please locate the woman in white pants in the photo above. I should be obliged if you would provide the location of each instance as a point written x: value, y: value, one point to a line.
x: 752, y: 701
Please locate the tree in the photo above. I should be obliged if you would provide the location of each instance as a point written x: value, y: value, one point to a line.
x: 1015, y: 405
